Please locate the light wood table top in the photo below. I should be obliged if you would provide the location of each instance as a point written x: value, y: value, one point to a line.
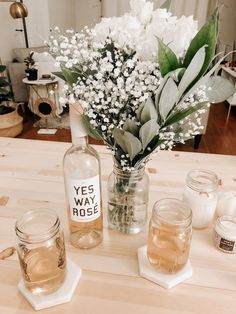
x: 31, y: 177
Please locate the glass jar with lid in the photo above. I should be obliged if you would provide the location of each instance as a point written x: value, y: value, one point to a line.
x: 200, y: 194
x: 224, y: 234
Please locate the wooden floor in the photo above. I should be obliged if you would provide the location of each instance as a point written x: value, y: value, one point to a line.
x: 219, y: 138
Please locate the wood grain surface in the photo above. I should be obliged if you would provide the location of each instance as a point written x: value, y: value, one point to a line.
x: 31, y: 177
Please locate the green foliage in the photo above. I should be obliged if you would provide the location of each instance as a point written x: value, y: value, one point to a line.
x: 192, y: 71
x: 207, y: 36
x: 131, y: 126
x: 168, y: 98
x: 181, y: 114
x: 204, y: 80
x: 90, y: 130
x: 161, y: 113
x: 2, y: 68
x: 29, y: 61
x: 5, y: 92
x: 128, y: 142
x: 166, y: 58
x: 148, y: 111
x: 71, y: 77
x: 60, y: 75
x: 147, y: 132
x: 166, y: 5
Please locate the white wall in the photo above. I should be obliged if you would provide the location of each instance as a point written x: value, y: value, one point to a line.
x: 228, y: 22
x: 37, y: 21
x: 42, y: 14
x: 62, y: 13
x: 8, y: 36
x: 197, y: 8
x: 88, y: 13
x: 37, y: 24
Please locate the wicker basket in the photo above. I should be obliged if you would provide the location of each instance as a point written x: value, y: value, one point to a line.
x: 11, y: 124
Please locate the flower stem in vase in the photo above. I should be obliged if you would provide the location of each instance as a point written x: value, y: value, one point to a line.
x: 128, y: 200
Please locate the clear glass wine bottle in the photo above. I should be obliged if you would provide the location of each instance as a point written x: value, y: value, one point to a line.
x: 83, y: 187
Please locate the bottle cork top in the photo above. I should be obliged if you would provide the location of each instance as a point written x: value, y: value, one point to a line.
x: 76, y: 122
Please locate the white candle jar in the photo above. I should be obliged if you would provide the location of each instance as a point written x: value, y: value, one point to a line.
x: 224, y: 235
x: 200, y: 194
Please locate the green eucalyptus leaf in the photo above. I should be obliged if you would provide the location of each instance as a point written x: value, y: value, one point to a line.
x: 154, y: 144
x: 147, y: 132
x: 131, y: 126
x: 206, y: 36
x: 119, y: 136
x: 168, y: 98
x: 166, y: 5
x: 192, y: 70
x: 166, y: 58
x: 204, y: 79
x: 149, y: 111
x: 90, y: 130
x: 180, y: 115
x: 139, y: 110
x: 159, y: 90
x: 79, y: 71
x: 60, y: 75
x: 176, y: 75
x: 70, y: 76
x: 133, y: 145
x: 128, y: 142
x: 219, y: 89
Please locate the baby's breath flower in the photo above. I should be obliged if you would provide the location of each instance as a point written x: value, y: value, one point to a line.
x: 112, y: 82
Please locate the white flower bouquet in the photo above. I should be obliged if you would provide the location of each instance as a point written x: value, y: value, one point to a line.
x: 140, y: 78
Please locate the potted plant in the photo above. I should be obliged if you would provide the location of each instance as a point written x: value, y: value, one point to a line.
x: 11, y: 123
x: 31, y: 72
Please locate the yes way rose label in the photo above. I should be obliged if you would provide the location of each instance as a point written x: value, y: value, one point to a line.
x: 84, y: 198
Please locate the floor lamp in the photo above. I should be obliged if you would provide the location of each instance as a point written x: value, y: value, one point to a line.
x: 19, y: 10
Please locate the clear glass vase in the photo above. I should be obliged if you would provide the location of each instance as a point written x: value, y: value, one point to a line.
x: 127, y: 200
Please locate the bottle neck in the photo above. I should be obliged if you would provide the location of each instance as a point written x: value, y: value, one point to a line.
x: 78, y: 131
x: 80, y: 141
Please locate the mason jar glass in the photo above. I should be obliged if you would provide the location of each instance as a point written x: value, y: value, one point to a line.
x: 41, y: 251
x: 127, y: 200
x: 200, y: 194
x: 170, y: 233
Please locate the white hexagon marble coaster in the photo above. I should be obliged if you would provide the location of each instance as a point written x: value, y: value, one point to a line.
x: 62, y: 295
x: 167, y: 281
